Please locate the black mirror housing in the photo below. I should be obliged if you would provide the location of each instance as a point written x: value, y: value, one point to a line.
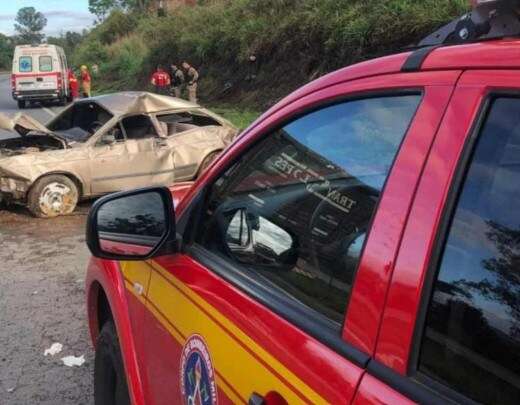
x: 126, y: 227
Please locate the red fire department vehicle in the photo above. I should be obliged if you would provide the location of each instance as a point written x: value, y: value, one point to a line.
x: 359, y: 243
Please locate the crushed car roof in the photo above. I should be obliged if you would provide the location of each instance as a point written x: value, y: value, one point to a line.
x: 129, y: 102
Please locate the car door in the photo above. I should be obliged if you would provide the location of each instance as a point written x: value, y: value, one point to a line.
x: 254, y: 308
x: 142, y: 159
x: 450, y: 329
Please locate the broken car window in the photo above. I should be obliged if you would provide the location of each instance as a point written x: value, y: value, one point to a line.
x: 80, y: 122
x: 139, y: 127
x: 184, y: 121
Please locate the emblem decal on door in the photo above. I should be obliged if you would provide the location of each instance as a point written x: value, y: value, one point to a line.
x: 197, y: 375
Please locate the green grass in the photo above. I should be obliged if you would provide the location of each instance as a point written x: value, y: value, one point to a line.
x: 241, y: 118
x: 294, y: 41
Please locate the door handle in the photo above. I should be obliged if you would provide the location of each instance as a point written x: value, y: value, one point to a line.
x: 256, y: 399
x: 271, y: 398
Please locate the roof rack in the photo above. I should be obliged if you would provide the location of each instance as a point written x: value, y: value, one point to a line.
x: 488, y: 19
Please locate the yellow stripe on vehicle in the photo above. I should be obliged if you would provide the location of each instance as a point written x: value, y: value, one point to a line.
x: 236, y: 362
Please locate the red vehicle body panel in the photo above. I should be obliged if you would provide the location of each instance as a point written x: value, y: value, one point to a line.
x: 105, y: 276
x: 373, y: 392
x: 405, y: 293
x: 381, y: 316
x: 273, y: 333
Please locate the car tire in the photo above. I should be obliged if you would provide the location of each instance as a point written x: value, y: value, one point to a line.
x: 52, y: 196
x: 207, y: 161
x: 110, y: 386
x: 21, y: 104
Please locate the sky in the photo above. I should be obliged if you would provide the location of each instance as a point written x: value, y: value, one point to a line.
x: 62, y: 15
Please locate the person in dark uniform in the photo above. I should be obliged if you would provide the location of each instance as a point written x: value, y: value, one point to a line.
x: 193, y: 77
x: 177, y: 77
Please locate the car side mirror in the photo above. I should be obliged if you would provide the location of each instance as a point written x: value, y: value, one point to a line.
x: 133, y: 225
x: 253, y: 239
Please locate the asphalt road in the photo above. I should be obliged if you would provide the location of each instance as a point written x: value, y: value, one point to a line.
x: 42, y: 268
x: 9, y: 106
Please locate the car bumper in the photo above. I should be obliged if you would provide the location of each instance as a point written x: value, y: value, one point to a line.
x: 36, y: 95
x: 13, y: 189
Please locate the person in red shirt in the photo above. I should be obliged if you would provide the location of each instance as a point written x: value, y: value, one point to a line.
x: 85, y: 81
x: 73, y: 84
x: 161, y: 81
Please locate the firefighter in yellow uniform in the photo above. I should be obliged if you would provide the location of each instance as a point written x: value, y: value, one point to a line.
x: 192, y: 78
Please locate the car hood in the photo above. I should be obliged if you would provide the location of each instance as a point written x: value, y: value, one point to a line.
x: 23, y: 124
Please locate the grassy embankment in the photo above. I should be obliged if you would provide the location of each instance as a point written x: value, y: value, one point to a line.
x: 294, y: 42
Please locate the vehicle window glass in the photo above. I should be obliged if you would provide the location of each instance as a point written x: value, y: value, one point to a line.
x: 113, y: 135
x: 295, y: 209
x: 25, y: 64
x: 179, y: 122
x: 45, y: 64
x: 79, y: 122
x: 139, y: 127
x: 471, y: 340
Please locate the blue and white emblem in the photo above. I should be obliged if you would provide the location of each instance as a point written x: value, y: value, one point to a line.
x: 197, y: 375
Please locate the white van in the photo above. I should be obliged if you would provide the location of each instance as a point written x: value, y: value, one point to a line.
x: 39, y: 73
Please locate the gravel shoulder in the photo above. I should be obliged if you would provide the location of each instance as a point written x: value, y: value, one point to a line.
x: 42, y: 266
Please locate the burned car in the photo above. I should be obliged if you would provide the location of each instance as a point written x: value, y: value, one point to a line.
x: 104, y: 144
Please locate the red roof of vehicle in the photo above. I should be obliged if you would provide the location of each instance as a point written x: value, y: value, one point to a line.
x: 497, y: 54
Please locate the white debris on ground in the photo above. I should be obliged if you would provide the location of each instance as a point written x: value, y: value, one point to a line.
x: 54, y: 349
x: 9, y: 390
x: 71, y: 361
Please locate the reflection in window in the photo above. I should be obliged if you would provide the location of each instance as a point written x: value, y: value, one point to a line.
x: 140, y: 214
x: 472, y: 336
x: 295, y: 209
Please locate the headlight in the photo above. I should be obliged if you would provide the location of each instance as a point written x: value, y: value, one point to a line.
x: 9, y: 185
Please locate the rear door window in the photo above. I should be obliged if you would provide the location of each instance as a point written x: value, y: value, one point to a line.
x: 45, y: 63
x: 471, y: 340
x: 139, y: 127
x: 25, y: 64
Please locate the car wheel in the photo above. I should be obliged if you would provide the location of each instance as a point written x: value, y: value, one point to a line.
x: 21, y: 104
x: 52, y: 196
x: 110, y: 386
x: 207, y: 161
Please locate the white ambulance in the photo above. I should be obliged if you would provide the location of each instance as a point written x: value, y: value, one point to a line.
x: 39, y: 74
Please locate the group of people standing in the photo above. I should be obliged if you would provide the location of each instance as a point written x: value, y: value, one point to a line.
x: 174, y: 81
x: 86, y: 82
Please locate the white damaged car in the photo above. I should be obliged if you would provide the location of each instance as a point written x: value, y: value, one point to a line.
x: 105, y: 144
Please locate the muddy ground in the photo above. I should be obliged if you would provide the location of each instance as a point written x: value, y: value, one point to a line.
x: 42, y: 268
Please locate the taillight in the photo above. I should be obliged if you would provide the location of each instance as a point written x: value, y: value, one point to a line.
x: 13, y: 82
x: 60, y: 81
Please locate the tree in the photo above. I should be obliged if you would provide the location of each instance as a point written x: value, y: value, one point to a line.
x: 68, y: 41
x: 101, y: 8
x: 6, y: 52
x: 504, y: 287
x: 29, y: 24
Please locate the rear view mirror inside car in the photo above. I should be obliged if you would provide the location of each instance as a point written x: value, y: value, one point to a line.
x: 133, y: 225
